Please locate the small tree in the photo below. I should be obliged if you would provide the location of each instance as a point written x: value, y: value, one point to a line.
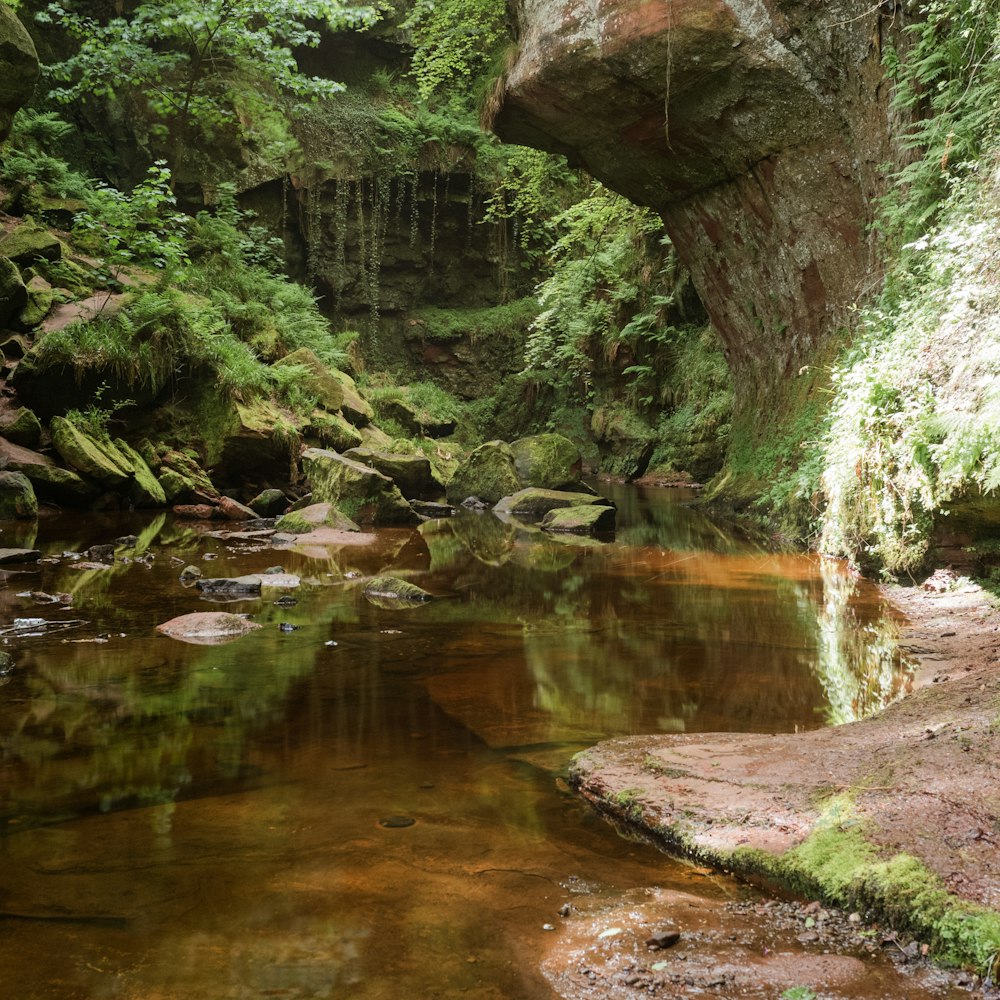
x: 194, y: 62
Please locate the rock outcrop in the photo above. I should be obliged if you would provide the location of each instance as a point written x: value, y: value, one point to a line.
x: 19, y: 63
x: 755, y: 127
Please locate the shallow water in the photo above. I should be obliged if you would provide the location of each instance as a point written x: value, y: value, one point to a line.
x: 185, y: 821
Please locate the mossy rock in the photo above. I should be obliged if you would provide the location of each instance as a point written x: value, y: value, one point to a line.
x: 17, y: 497
x: 145, y: 490
x: 269, y: 503
x: 97, y: 459
x: 317, y: 515
x: 391, y: 592
x: 548, y: 461
x: 535, y: 503
x: 13, y: 293
x: 19, y: 62
x: 39, y: 304
x: 580, y: 520
x: 29, y: 242
x: 317, y: 380
x: 355, y: 407
x: 362, y: 493
x: 418, y: 422
x: 181, y: 476
x: 50, y: 481
x: 488, y: 472
x: 22, y: 427
x: 626, y: 441
x: 258, y: 444
x: 334, y: 431
x: 411, y: 473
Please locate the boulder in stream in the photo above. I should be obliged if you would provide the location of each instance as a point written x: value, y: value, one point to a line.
x: 391, y: 592
x: 17, y: 497
x: 488, y: 472
x: 412, y: 474
x: 533, y: 503
x: 548, y: 461
x: 207, y: 628
x: 580, y: 520
x: 362, y: 493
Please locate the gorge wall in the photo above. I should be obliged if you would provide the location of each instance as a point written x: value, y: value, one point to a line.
x: 755, y: 127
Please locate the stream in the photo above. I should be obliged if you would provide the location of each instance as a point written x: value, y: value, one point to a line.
x: 368, y: 802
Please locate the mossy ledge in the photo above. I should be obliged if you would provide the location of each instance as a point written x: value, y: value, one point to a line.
x: 836, y: 862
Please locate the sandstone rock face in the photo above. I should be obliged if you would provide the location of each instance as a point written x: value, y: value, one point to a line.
x: 19, y: 63
x: 755, y: 127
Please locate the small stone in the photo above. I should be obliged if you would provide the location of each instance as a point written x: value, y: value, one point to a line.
x: 285, y: 602
x: 189, y: 574
x: 663, y: 939
x: 565, y: 910
x: 330, y: 644
x: 233, y: 510
x: 396, y: 822
x: 855, y: 918
x: 548, y: 927
x: 809, y: 937
x: 288, y: 627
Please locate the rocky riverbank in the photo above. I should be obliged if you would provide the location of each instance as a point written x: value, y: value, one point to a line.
x: 894, y: 816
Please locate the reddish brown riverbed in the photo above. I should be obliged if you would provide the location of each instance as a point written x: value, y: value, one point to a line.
x: 369, y: 805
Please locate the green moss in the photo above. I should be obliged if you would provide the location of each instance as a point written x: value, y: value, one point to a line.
x: 512, y: 318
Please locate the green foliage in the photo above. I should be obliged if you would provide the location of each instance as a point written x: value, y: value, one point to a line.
x: 28, y: 157
x: 95, y: 419
x: 950, y: 80
x: 188, y: 61
x: 142, y: 228
x: 454, y: 41
x: 505, y: 320
x: 915, y: 422
x: 798, y: 993
x: 595, y: 287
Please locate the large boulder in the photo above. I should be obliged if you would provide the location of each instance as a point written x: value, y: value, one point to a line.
x: 29, y: 242
x: 19, y: 65
x: 417, y: 421
x: 411, y: 473
x: 317, y: 379
x: 334, y: 431
x: 548, y: 461
x: 145, y: 490
x: 84, y: 452
x: 533, y: 504
x: 355, y: 407
x: 488, y: 472
x: 17, y: 498
x: 21, y: 426
x: 316, y: 515
x: 362, y: 493
x: 580, y: 520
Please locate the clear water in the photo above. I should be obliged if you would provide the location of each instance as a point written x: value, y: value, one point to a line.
x: 185, y: 821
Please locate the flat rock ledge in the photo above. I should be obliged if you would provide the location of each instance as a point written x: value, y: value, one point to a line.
x: 898, y: 814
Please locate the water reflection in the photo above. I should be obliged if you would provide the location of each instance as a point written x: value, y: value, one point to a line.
x: 222, y: 803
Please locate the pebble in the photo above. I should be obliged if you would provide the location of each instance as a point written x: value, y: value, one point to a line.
x: 548, y: 927
x: 288, y: 627
x: 396, y: 822
x: 663, y: 939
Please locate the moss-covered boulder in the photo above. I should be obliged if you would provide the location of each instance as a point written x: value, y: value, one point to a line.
x: 17, y: 498
x: 183, y: 479
x: 13, y: 293
x: 144, y: 490
x: 316, y: 379
x: 269, y: 503
x: 363, y: 493
x: 317, y: 515
x: 580, y: 520
x: 29, y: 242
x: 488, y: 472
x: 39, y: 304
x: 50, y: 481
x: 19, y: 65
x: 82, y: 451
x: 417, y: 421
x: 625, y: 440
x: 259, y: 442
x: 21, y: 426
x: 411, y: 473
x: 355, y: 407
x: 548, y: 461
x: 334, y: 431
x: 533, y: 504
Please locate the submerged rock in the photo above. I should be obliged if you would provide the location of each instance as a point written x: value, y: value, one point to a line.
x: 390, y: 591
x: 488, y: 473
x: 12, y: 556
x: 230, y: 585
x: 548, y: 461
x: 207, y: 627
x: 361, y: 492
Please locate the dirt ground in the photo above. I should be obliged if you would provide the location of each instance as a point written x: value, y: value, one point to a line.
x: 924, y: 771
